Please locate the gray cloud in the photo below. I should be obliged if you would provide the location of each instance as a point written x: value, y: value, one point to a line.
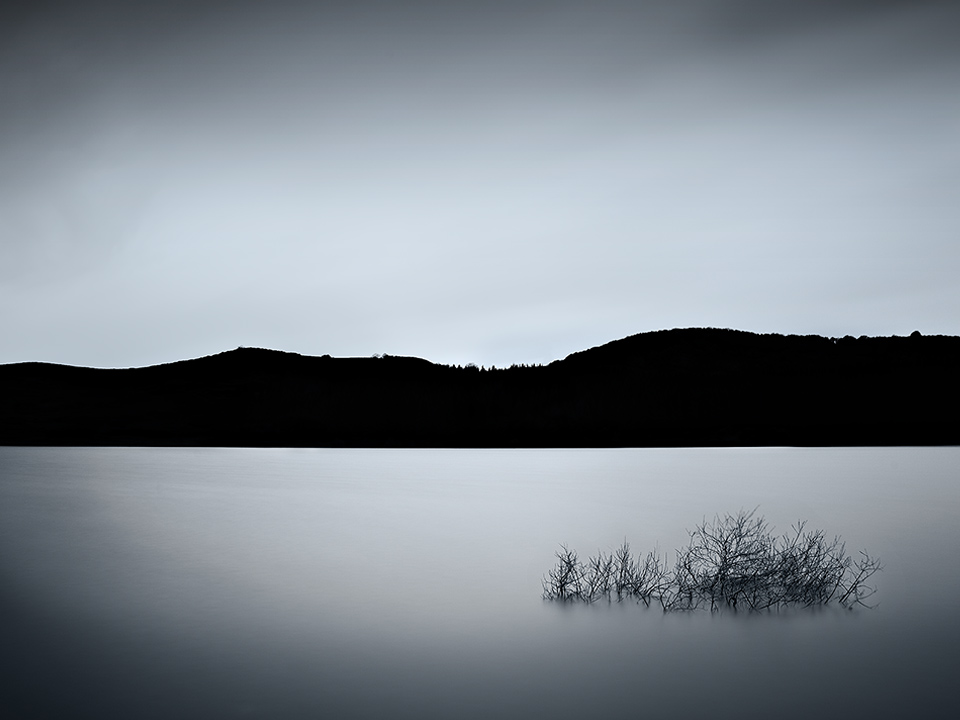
x: 760, y: 21
x: 469, y: 183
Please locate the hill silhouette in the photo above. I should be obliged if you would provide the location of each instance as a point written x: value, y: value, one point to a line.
x: 689, y: 387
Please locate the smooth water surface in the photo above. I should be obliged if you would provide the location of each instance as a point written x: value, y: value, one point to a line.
x: 249, y: 583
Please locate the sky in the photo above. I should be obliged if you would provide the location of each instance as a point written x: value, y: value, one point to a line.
x: 487, y: 182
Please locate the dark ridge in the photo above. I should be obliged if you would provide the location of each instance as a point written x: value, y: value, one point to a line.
x: 691, y: 387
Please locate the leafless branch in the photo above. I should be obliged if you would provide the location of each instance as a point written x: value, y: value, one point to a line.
x: 733, y: 563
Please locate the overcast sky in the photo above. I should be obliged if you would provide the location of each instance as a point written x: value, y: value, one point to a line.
x: 488, y: 182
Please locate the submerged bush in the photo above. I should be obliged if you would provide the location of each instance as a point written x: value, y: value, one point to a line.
x: 733, y: 562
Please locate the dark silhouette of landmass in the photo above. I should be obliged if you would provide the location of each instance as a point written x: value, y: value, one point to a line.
x: 692, y: 387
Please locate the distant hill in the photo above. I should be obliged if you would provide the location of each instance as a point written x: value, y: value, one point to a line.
x: 691, y: 387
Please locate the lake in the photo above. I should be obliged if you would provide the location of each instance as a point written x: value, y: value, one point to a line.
x: 272, y: 583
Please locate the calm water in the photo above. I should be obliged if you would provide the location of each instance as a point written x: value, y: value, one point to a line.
x: 222, y: 583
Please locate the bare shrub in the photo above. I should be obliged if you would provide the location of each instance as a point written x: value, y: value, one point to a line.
x: 565, y: 581
x: 733, y: 562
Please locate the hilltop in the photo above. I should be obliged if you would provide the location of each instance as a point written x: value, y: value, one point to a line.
x: 687, y: 387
